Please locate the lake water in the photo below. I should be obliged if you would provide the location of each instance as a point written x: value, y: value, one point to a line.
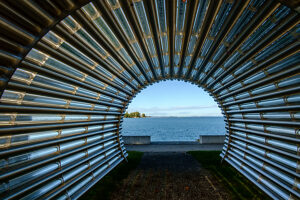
x: 174, y: 128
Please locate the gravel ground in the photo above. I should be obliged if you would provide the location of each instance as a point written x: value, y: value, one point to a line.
x: 168, y: 175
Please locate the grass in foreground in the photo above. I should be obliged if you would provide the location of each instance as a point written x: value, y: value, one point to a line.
x: 236, y: 184
x: 109, y: 183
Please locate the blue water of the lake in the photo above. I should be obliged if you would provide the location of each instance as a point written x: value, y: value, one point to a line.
x: 174, y: 128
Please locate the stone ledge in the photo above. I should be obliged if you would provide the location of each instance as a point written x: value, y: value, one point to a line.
x: 136, y: 140
x: 211, y: 139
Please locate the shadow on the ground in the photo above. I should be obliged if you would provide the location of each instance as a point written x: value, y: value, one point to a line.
x: 170, y: 175
x: 192, y: 175
x: 109, y: 184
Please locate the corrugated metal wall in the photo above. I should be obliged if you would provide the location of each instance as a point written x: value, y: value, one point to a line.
x: 70, y: 68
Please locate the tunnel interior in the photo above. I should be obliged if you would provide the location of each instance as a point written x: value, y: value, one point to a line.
x: 69, y: 69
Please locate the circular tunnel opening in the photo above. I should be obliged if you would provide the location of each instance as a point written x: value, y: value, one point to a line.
x: 175, y: 111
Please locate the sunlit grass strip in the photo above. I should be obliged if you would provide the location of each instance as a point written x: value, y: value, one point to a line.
x: 236, y: 184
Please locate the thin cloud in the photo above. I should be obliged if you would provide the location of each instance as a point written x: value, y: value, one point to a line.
x: 179, y: 111
x: 175, y: 108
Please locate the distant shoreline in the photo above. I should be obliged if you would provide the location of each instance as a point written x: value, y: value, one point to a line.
x: 135, y: 115
x: 172, y: 117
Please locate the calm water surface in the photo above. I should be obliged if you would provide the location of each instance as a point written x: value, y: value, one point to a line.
x: 174, y: 128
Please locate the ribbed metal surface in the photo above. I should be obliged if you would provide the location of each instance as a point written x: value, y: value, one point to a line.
x: 70, y: 68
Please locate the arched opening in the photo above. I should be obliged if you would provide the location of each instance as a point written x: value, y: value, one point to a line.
x: 69, y: 69
x: 175, y: 111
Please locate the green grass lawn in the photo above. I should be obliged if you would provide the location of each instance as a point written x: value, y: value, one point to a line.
x: 103, y: 189
x: 236, y: 184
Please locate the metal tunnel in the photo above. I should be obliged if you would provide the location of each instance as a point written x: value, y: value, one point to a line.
x: 69, y: 68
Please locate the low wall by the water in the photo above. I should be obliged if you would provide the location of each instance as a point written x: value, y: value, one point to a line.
x: 203, y: 139
x: 137, y: 139
x: 211, y: 139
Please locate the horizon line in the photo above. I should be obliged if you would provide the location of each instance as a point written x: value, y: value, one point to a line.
x: 186, y: 116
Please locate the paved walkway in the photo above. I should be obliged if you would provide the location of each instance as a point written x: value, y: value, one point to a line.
x: 167, y: 147
x: 172, y: 175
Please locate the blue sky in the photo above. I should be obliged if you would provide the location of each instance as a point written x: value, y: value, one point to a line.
x: 174, y: 98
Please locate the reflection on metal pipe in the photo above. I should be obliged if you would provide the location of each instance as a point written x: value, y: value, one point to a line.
x: 69, y: 70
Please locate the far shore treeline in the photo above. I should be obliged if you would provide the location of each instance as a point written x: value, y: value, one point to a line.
x: 134, y: 115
